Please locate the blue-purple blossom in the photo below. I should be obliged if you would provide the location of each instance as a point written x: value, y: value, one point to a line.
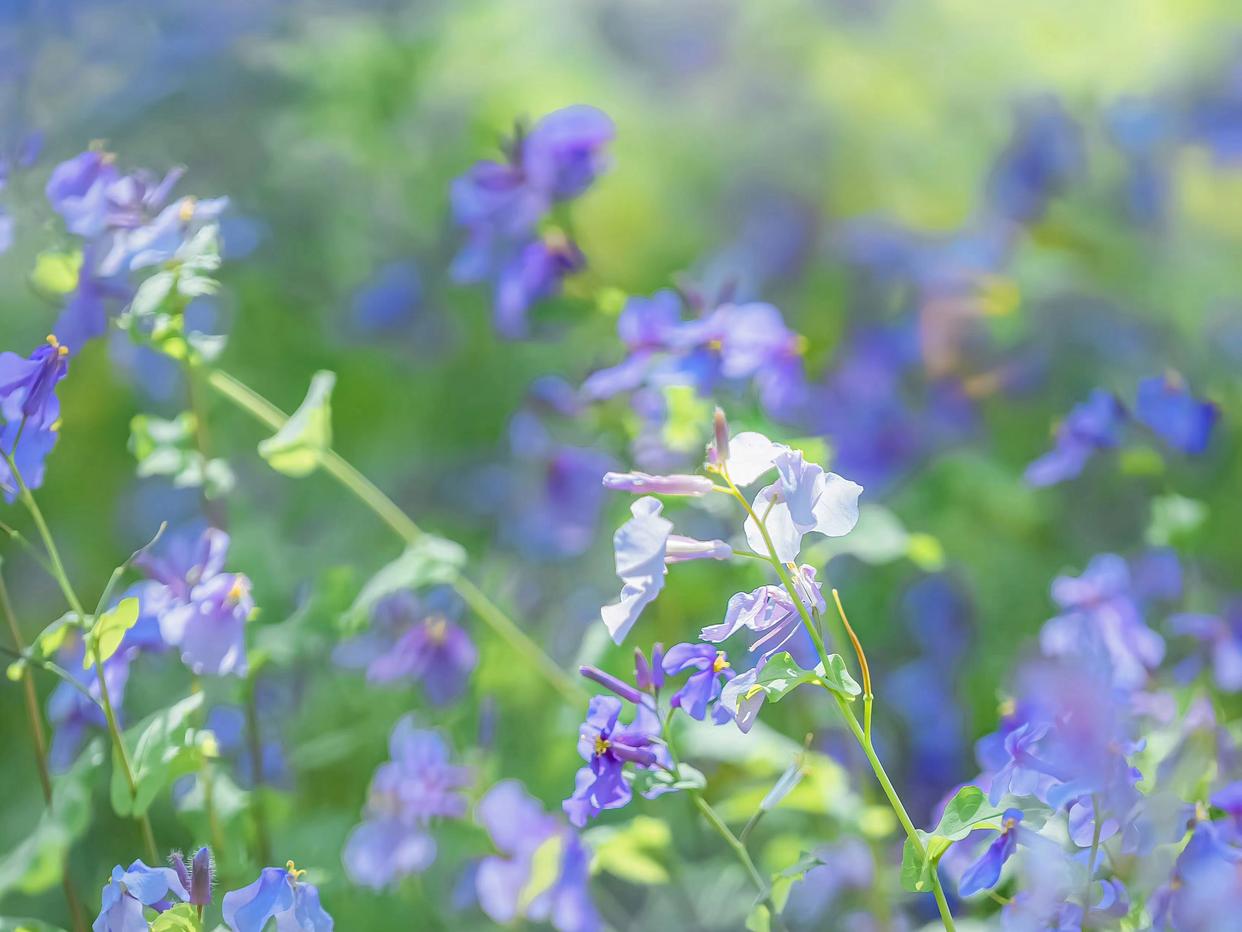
x: 1093, y: 425
x: 709, y: 671
x: 1221, y: 637
x: 280, y: 894
x: 770, y: 613
x: 28, y: 385
x: 416, y: 786
x: 70, y: 713
x: 1184, y: 422
x: 1205, y: 890
x: 417, y: 639
x: 1101, y: 619
x: 985, y: 872
x: 1044, y: 155
x: 519, y: 828
x: 129, y: 892
x: 202, y: 610
x: 535, y: 273
x: 607, y: 746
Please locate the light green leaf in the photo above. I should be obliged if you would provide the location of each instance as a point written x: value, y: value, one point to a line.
x: 161, y: 747
x: 545, y: 867
x: 964, y: 813
x: 48, y: 641
x: 108, y: 631
x: 181, y: 918
x: 1174, y: 520
x: 298, y: 447
x: 780, y: 676
x: 429, y: 561
x: 55, y: 274
x: 836, y: 676
x: 635, y: 852
x: 686, y: 778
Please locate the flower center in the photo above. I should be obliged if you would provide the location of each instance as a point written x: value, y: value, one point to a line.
x: 61, y: 349
x: 601, y: 745
x: 720, y: 663
x: 437, y: 630
x: 294, y: 873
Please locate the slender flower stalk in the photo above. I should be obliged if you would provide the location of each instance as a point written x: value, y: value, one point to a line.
x: 868, y: 696
x: 75, y: 605
x: 39, y: 737
x: 404, y: 527
x: 863, y: 737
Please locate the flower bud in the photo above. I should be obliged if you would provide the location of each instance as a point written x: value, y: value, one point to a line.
x: 179, y: 868
x: 610, y: 682
x: 679, y: 549
x: 642, y: 483
x: 720, y: 444
x: 200, y: 878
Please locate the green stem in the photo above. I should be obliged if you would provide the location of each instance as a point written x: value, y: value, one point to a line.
x: 404, y: 527
x: 862, y: 737
x: 254, y: 744
x: 75, y: 605
x: 716, y: 822
x: 39, y: 738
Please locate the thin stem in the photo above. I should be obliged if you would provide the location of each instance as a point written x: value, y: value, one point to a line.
x: 868, y: 695
x: 205, y: 774
x: 716, y: 822
x: 862, y: 737
x: 75, y: 604
x: 254, y: 743
x: 38, y: 736
x: 404, y: 527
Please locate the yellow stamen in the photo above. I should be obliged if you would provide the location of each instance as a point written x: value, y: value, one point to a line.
x: 236, y: 591
x: 753, y: 691
x: 601, y: 745
x: 293, y: 871
x: 720, y: 663
x: 716, y: 345
x: 437, y: 629
x: 186, y: 211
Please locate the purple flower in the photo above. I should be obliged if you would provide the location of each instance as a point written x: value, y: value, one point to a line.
x: 1044, y: 155
x: 743, y: 697
x: 280, y: 894
x: 202, y: 611
x: 985, y: 872
x: 78, y: 191
x: 1222, y: 636
x: 1101, y: 619
x: 29, y: 452
x: 388, y: 300
x: 1165, y: 404
x: 804, y: 499
x: 771, y: 614
x: 28, y: 385
x: 564, y: 152
x: 607, y: 747
x: 519, y: 828
x: 702, y: 689
x: 128, y: 892
x: 415, y: 787
x: 417, y: 639
x: 534, y: 273
x: 639, y: 546
x: 1093, y: 425
x: 1205, y: 891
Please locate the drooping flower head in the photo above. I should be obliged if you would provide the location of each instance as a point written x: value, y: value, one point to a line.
x: 281, y: 894
x: 1184, y: 422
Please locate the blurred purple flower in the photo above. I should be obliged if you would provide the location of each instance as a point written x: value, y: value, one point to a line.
x: 1093, y: 425
x: 607, y: 746
x: 1044, y: 155
x: 1165, y: 404
x: 408, y: 792
x: 519, y: 827
x: 70, y: 713
x: 1221, y: 635
x: 28, y: 385
x: 415, y: 638
x: 985, y: 872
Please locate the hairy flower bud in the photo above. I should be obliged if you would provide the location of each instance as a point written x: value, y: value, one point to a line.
x: 200, y: 878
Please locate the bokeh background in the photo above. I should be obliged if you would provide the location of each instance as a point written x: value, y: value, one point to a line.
x: 974, y: 212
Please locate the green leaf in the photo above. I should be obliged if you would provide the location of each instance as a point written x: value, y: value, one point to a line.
x: 108, y: 631
x: 48, y: 641
x: 636, y: 851
x: 170, y: 448
x: 545, y: 867
x: 428, y: 561
x: 55, y: 274
x: 298, y: 447
x: 836, y: 676
x: 35, y: 864
x: 780, y: 676
x: 964, y: 813
x: 181, y: 918
x: 1175, y: 519
x: 161, y: 747
x: 914, y: 867
x: 8, y: 924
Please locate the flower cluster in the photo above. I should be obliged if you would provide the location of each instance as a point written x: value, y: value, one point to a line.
x: 501, y: 205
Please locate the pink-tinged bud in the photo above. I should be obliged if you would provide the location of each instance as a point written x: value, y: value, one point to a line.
x: 642, y: 483
x: 200, y: 878
x: 610, y: 682
x: 649, y: 676
x: 679, y: 549
x: 720, y: 445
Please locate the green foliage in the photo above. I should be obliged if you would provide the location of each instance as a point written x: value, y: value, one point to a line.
x: 636, y: 852
x: 428, y: 561
x: 104, y: 636
x: 297, y: 449
x: 169, y: 448
x: 780, y: 676
x: 966, y: 812
x: 181, y: 918
x: 162, y: 747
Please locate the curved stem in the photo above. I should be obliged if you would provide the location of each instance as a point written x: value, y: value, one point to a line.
x: 39, y: 738
x: 367, y: 492
x: 716, y: 822
x: 75, y: 605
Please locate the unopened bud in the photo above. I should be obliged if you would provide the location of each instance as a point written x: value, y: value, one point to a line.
x: 642, y: 483
x: 200, y: 878
x: 612, y: 683
x: 720, y: 446
x: 680, y: 549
